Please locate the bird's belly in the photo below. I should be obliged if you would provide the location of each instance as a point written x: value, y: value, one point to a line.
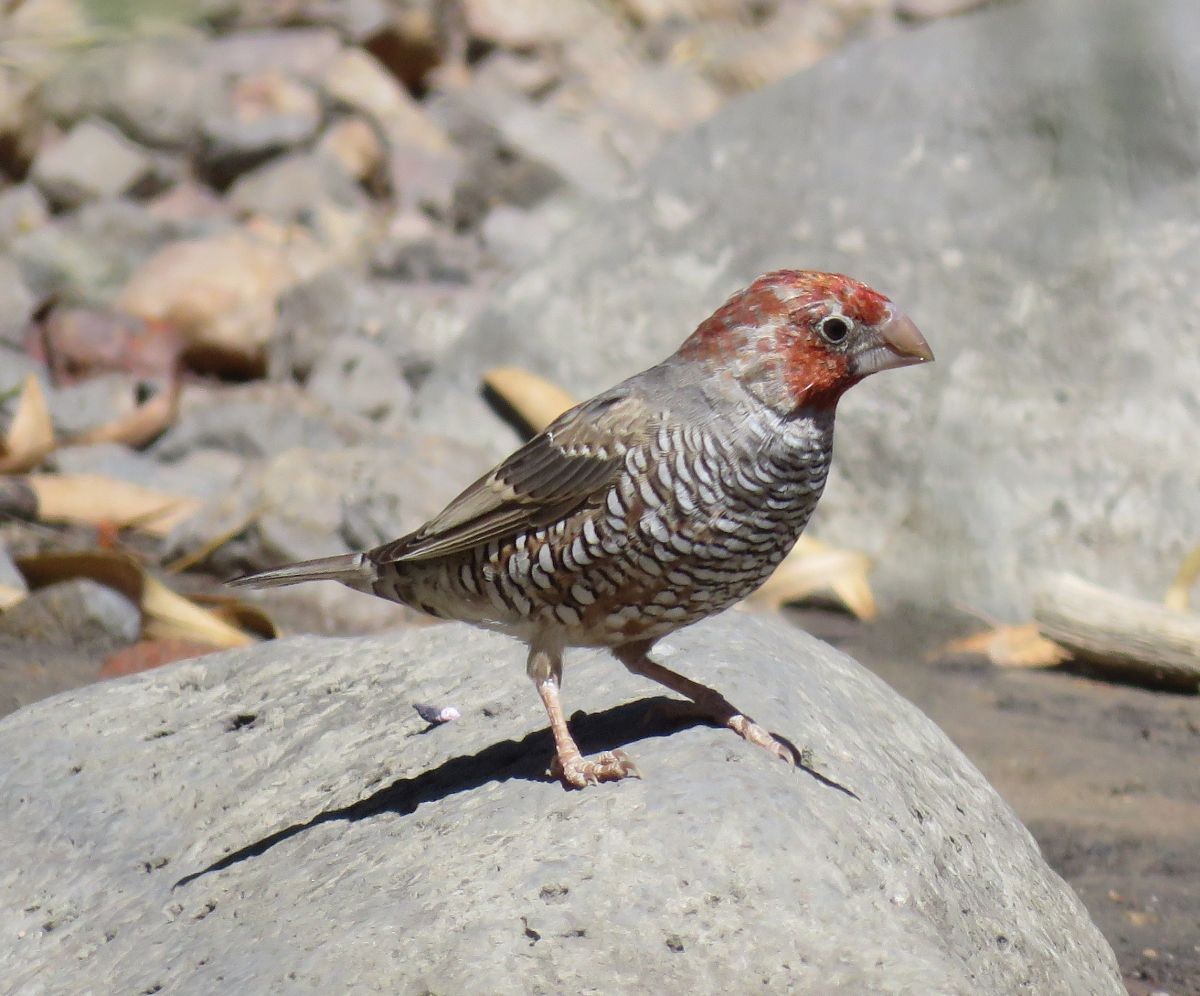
x: 686, y: 591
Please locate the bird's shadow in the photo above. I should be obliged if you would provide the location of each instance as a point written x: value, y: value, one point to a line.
x: 526, y: 759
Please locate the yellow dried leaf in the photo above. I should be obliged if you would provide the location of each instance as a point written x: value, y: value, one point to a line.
x: 139, y: 426
x: 165, y: 613
x: 1010, y: 646
x: 813, y: 568
x: 94, y: 499
x: 171, y: 616
x: 30, y: 436
x: 1177, y: 595
x: 533, y: 398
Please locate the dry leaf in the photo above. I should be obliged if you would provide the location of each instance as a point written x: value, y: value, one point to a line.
x: 810, y: 568
x: 533, y: 398
x: 814, y: 567
x: 30, y: 436
x: 95, y: 500
x: 1177, y: 595
x: 171, y: 616
x: 141, y: 425
x: 1010, y: 646
x: 114, y: 570
x: 246, y: 616
x: 165, y: 613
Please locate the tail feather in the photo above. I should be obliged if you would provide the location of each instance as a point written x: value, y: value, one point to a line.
x: 353, y: 569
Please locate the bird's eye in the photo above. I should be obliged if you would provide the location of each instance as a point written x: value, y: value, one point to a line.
x: 833, y: 328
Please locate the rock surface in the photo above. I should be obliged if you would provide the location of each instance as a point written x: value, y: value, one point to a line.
x: 1023, y: 182
x: 271, y: 817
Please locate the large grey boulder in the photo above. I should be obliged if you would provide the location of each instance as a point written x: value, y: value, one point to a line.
x: 1024, y: 183
x: 275, y: 819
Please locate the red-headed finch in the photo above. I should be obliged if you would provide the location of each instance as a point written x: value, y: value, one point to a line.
x: 653, y: 505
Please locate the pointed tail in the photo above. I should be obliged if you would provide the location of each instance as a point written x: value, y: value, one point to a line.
x: 353, y: 569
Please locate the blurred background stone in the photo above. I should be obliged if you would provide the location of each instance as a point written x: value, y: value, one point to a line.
x: 254, y: 116
x: 22, y: 209
x: 219, y: 292
x: 256, y: 420
x: 17, y: 303
x: 92, y: 161
x: 361, y: 377
x: 74, y: 614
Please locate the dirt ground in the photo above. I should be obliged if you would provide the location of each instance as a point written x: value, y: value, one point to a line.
x: 1104, y: 775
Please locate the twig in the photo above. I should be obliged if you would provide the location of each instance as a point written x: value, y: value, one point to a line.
x: 1120, y: 633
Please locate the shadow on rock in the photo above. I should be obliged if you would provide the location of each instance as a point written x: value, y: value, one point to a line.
x: 526, y: 759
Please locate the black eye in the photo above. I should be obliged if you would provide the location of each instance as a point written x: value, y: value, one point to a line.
x: 833, y: 328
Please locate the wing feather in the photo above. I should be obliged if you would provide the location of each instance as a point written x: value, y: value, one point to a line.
x: 573, y: 461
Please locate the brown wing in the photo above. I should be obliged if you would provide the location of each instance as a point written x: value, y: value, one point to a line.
x: 548, y: 478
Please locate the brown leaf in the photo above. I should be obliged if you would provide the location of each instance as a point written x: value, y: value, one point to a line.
x: 814, y: 567
x: 533, y: 398
x: 246, y: 616
x: 114, y: 570
x: 1009, y: 646
x: 30, y: 436
x: 95, y: 500
x: 1178, y: 594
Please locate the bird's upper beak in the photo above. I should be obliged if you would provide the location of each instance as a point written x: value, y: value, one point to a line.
x: 899, y: 343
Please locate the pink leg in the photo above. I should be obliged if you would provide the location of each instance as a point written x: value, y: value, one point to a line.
x: 569, y: 764
x: 706, y: 702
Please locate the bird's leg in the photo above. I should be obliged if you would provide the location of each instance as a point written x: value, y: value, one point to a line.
x: 706, y: 702
x: 569, y: 765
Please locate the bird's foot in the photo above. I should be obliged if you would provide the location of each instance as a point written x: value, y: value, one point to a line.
x: 576, y: 771
x: 682, y: 710
x: 751, y: 732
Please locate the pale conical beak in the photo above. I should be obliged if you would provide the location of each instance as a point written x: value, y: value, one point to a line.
x: 900, y: 344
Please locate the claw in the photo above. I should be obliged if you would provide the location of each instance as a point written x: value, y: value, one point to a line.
x: 577, y: 771
x: 751, y: 732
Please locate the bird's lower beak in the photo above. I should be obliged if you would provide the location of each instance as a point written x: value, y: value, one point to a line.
x: 899, y: 344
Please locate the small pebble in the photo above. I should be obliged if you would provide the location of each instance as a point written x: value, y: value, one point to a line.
x: 436, y: 714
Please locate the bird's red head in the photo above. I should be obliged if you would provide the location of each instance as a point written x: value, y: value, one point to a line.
x: 799, y: 338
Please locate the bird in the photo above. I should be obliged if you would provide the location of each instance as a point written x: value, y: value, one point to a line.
x: 655, y: 504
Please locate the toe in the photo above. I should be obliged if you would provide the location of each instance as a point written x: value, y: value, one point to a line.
x: 580, y: 772
x: 750, y: 731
